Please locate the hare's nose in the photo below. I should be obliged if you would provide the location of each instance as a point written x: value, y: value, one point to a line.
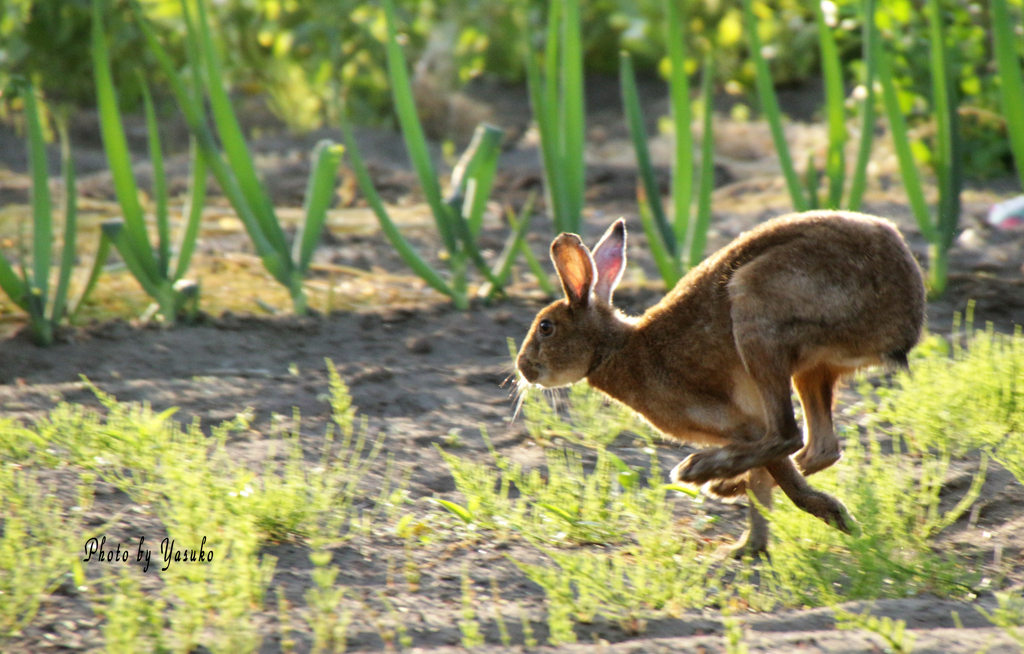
x: 527, y: 369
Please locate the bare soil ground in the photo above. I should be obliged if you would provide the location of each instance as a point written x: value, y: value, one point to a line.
x: 421, y: 371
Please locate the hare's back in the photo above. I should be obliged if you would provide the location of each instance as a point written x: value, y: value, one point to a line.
x: 828, y: 279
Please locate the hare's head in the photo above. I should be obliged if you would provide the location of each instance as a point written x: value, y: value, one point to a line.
x: 570, y: 336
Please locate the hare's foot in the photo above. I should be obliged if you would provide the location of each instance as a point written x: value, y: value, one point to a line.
x: 731, y: 460
x: 752, y: 543
x: 811, y: 460
x: 727, y: 490
x: 706, y: 466
x: 821, y: 505
x: 836, y: 514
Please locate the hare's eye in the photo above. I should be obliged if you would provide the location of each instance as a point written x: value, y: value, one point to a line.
x: 546, y: 328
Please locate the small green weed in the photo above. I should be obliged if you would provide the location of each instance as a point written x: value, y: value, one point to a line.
x: 326, y: 616
x: 563, y: 504
x: 134, y: 623
x: 663, y: 572
x: 1009, y: 616
x: 735, y: 635
x: 895, y: 497
x: 893, y: 632
x: 469, y: 625
x: 38, y: 544
x: 961, y: 397
x: 589, y: 418
x: 292, y: 499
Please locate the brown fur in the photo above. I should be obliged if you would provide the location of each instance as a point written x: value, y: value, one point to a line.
x: 802, y: 299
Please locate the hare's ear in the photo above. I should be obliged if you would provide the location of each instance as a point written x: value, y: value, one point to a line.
x: 610, y: 260
x: 575, y: 268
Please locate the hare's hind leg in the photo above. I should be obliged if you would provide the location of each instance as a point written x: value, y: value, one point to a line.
x: 754, y: 540
x: 821, y: 449
x: 769, y: 365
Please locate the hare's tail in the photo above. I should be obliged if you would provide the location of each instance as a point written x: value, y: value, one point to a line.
x: 897, y: 359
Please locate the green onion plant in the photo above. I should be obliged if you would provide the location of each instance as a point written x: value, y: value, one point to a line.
x: 459, y: 216
x: 941, y: 231
x: 31, y: 291
x: 679, y: 245
x: 806, y: 195
x: 1011, y: 75
x: 173, y: 294
x: 556, y: 95
x: 232, y: 164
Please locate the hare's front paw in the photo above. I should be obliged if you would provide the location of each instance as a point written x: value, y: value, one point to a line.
x: 754, y: 545
x: 701, y: 467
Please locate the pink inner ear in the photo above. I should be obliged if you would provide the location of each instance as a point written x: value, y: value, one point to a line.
x: 610, y: 261
x: 575, y: 268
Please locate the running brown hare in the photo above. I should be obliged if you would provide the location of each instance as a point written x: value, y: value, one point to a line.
x: 805, y: 298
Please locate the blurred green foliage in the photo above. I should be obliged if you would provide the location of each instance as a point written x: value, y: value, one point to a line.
x: 47, y: 41
x: 903, y: 25
x: 304, y: 53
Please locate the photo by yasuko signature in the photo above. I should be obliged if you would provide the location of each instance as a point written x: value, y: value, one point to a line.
x: 98, y: 548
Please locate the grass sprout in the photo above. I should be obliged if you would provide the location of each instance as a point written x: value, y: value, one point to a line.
x: 326, y: 616
x: 1009, y: 615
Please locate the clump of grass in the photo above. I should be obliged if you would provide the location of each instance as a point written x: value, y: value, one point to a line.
x: 292, y: 499
x: 127, y: 447
x: 662, y: 571
x: 39, y: 544
x: 963, y: 396
x: 896, y: 500
x: 587, y: 418
x: 134, y: 623
x: 562, y: 505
